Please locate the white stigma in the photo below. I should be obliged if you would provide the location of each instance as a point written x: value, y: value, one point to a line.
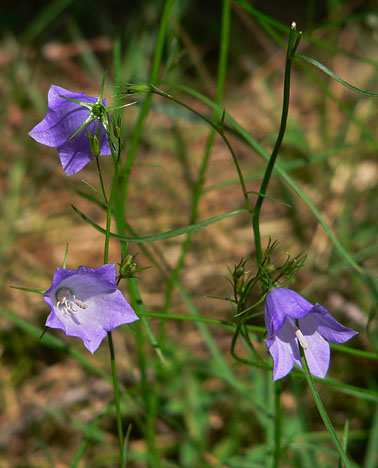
x: 67, y: 300
x: 302, y: 340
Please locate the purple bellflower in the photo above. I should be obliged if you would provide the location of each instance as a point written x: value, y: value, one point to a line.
x: 87, y: 303
x: 292, y: 321
x: 66, y: 123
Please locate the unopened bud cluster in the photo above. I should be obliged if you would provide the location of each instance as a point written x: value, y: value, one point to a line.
x: 128, y: 266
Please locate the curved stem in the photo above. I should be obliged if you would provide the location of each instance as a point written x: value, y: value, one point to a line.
x: 269, y: 169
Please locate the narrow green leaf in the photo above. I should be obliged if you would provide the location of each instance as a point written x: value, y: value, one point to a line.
x: 269, y: 198
x: 91, y: 198
x: 333, y: 75
x: 162, y: 235
x: 354, y: 351
x: 270, y: 25
x: 229, y: 299
x: 93, y: 188
x: 126, y: 442
x: 346, y: 435
x: 65, y: 257
x: 38, y: 291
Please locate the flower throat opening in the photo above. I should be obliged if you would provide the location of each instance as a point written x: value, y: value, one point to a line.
x: 67, y: 300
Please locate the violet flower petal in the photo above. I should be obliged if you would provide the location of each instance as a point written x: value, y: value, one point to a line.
x: 75, y: 157
x: 329, y: 327
x: 63, y: 118
x: 284, y: 350
x: 315, y: 324
x: 97, y: 305
x: 318, y: 351
x: 282, y: 303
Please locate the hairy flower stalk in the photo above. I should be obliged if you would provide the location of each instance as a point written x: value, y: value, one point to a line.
x: 292, y: 321
x: 87, y: 303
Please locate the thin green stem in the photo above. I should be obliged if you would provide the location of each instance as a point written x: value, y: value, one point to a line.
x: 116, y: 159
x: 192, y: 318
x: 117, y: 400
x: 142, y: 314
x: 240, y: 359
x: 101, y: 179
x: 269, y: 169
x: 124, y: 175
x: 148, y: 389
x: 323, y: 413
x: 277, y: 424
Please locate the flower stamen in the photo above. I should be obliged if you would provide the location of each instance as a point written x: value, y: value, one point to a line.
x: 67, y: 299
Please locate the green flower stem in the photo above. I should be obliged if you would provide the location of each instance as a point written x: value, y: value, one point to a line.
x: 124, y: 173
x: 258, y: 363
x: 101, y: 179
x: 117, y: 400
x: 116, y: 159
x: 269, y: 169
x: 277, y: 424
x: 323, y: 413
x: 142, y: 314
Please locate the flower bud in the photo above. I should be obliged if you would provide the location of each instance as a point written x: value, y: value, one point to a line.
x: 117, y: 128
x: 127, y: 267
x: 239, y: 277
x: 138, y: 88
x: 270, y: 268
x: 94, y: 143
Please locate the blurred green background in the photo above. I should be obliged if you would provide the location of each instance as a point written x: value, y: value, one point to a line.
x: 203, y: 409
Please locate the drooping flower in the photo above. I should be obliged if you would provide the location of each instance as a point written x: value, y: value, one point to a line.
x: 292, y: 321
x: 64, y: 118
x: 87, y: 303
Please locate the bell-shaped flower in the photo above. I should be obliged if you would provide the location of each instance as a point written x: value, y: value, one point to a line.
x: 66, y: 124
x: 87, y: 303
x: 292, y: 321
